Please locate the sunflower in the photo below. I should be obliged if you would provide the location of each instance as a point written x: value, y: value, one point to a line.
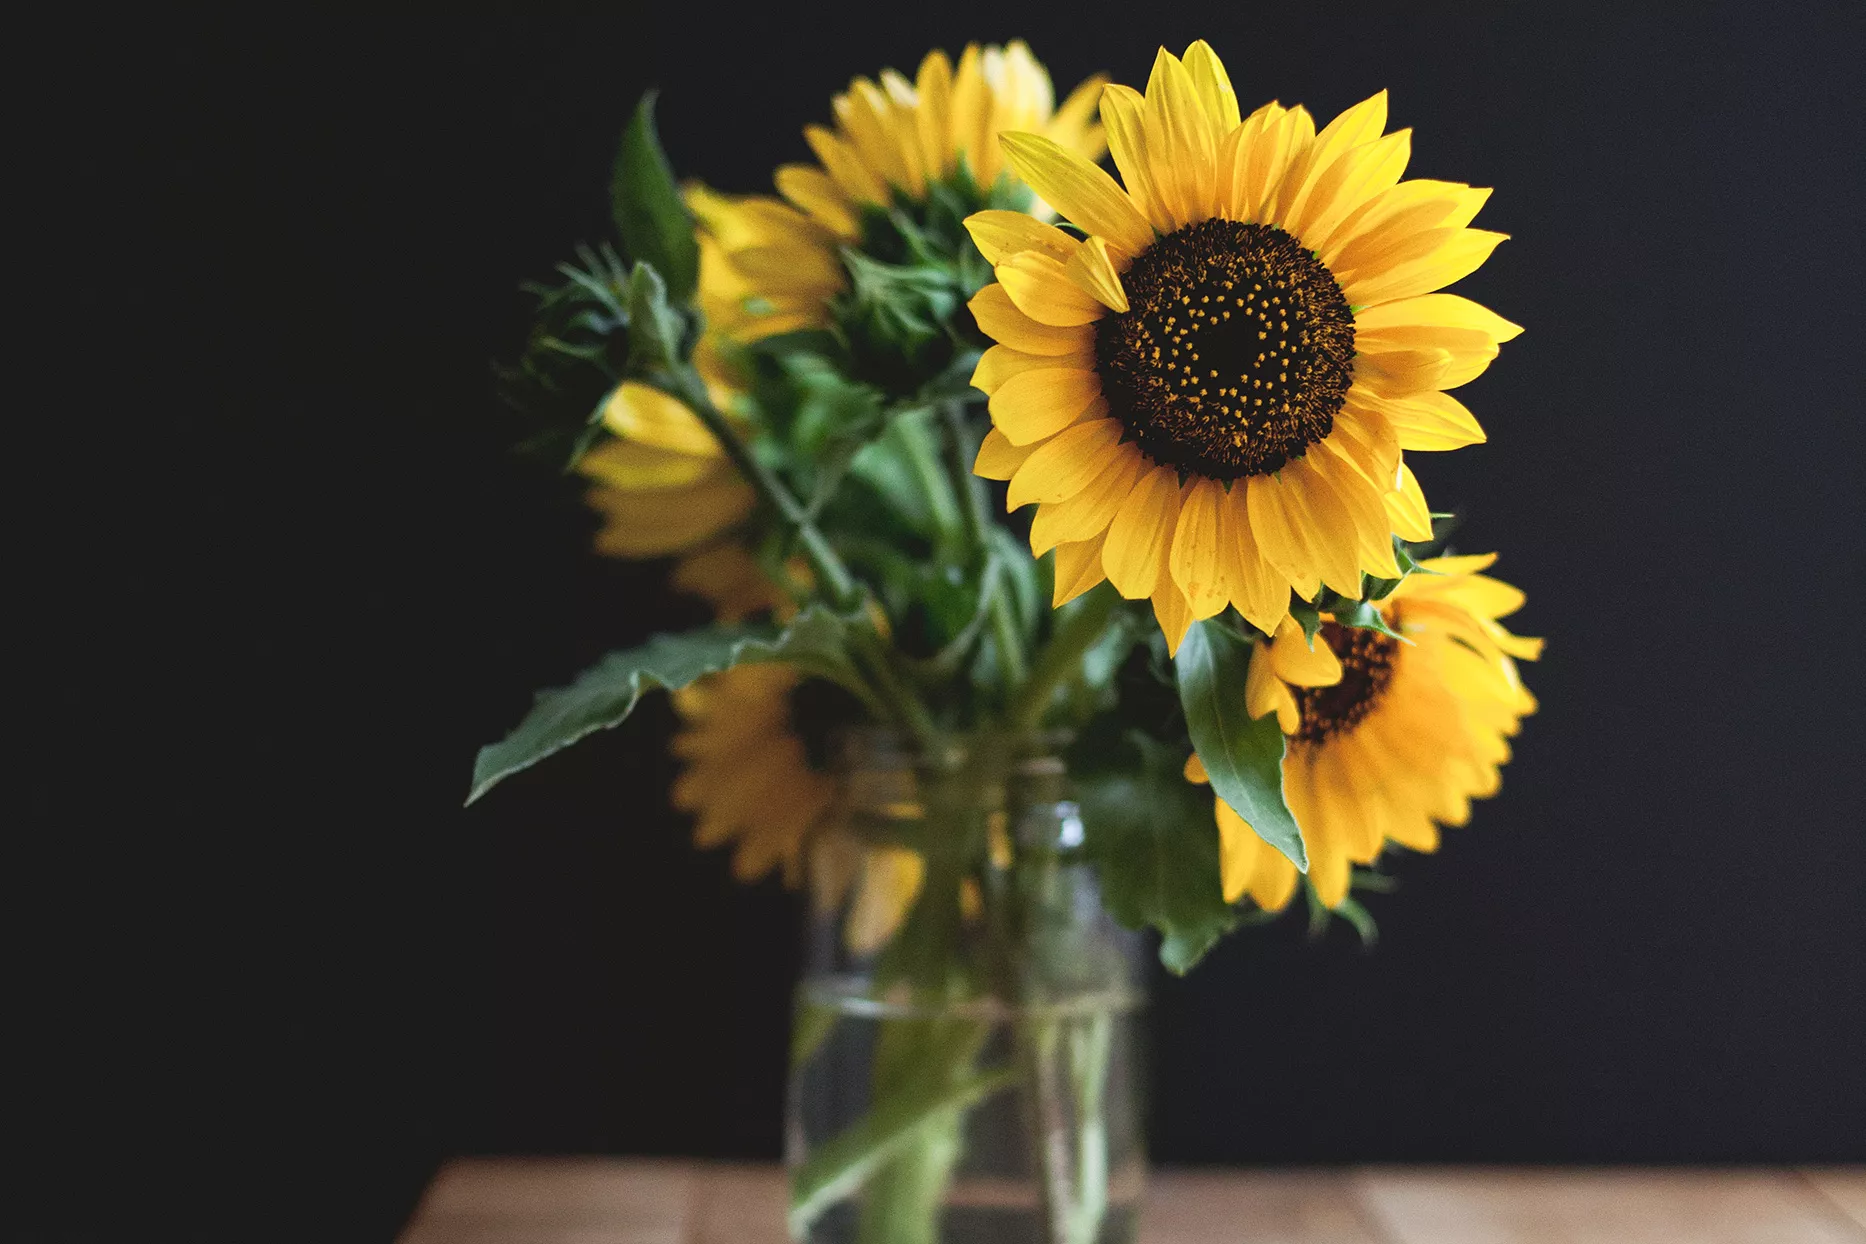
x: 770, y: 265
x: 1388, y: 739
x: 662, y: 483
x: 1207, y: 394
x: 748, y: 782
x: 747, y: 779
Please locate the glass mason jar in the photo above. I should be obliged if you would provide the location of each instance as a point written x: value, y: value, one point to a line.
x: 965, y: 1053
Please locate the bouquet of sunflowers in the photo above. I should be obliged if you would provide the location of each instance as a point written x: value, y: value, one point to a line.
x: 1067, y: 561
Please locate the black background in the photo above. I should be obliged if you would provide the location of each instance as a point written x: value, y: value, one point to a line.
x: 280, y: 577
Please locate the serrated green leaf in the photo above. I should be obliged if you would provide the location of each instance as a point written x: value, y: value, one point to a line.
x: 645, y: 201
x: 1155, y: 845
x: 1243, y: 757
x: 604, y: 695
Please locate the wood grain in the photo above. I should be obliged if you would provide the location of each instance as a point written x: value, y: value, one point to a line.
x: 643, y: 1201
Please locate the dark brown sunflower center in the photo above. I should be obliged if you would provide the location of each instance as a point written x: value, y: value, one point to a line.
x: 1366, y: 668
x: 1234, y: 354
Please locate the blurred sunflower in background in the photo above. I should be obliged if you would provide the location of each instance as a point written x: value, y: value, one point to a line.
x: 1207, y: 396
x: 1389, y: 739
x: 660, y: 480
x: 772, y: 265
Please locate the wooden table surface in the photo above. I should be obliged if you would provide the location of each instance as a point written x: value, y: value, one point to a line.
x: 638, y: 1201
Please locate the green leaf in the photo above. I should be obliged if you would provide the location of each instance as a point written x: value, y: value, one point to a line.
x: 604, y: 695
x: 841, y: 1166
x: 1243, y: 757
x: 650, y: 217
x: 1155, y: 844
x: 654, y: 328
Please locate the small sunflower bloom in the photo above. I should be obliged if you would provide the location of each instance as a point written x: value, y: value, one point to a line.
x: 770, y: 265
x: 1208, y: 395
x: 1388, y: 740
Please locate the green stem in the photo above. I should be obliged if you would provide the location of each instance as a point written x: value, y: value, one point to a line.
x: 836, y: 581
x: 978, y: 525
x: 1062, y: 659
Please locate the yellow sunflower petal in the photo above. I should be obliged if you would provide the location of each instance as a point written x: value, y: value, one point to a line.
x: 998, y: 458
x: 889, y: 882
x: 933, y: 86
x: 1453, y: 259
x: 999, y: 235
x: 1123, y: 113
x: 1194, y: 770
x: 1265, y: 693
x: 644, y: 414
x: 845, y: 166
x: 1295, y: 661
x: 1355, y: 178
x: 1040, y: 287
x: 1360, y: 124
x: 1033, y: 405
x: 1182, y: 150
x: 1063, y: 465
x: 1239, y: 849
x: 1432, y: 311
x: 1326, y: 526
x: 1363, y: 501
x: 1422, y: 420
x: 654, y: 524
x: 818, y: 195
x: 1172, y: 611
x: 1281, y: 542
x: 1093, y: 271
x: 1090, y: 511
x: 1078, y: 568
x: 999, y: 319
x: 1141, y: 533
x: 1000, y: 363
x: 1406, y: 506
x: 1194, y: 560
x: 1257, y: 590
x: 1213, y: 85
x: 1085, y: 195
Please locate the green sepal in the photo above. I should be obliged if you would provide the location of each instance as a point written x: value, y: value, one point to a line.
x: 1243, y: 757
x: 604, y: 695
x: 650, y: 217
x: 1155, y: 845
x: 654, y: 327
x: 1380, y: 589
x: 1364, y: 615
x: 1308, y: 617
